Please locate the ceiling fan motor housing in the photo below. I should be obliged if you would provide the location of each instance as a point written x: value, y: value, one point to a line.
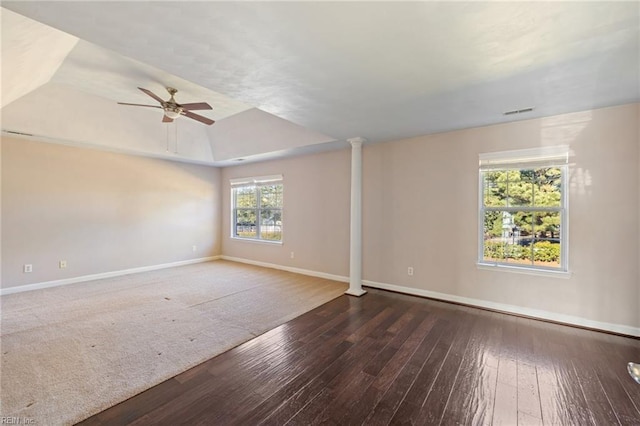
x: 171, y: 108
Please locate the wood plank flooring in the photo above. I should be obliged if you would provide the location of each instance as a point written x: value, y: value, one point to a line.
x: 388, y: 358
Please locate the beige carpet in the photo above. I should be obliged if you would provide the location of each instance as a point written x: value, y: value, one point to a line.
x: 70, y: 352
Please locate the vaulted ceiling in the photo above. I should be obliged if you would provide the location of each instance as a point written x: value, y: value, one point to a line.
x: 287, y: 78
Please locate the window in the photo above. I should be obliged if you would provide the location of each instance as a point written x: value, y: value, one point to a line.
x: 523, y: 209
x: 257, y: 208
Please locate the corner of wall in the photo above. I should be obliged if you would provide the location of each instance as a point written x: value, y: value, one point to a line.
x: 638, y: 192
x: 1, y: 145
x: 218, y: 222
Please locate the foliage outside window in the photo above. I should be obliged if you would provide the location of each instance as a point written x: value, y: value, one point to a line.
x: 523, y: 211
x: 257, y: 208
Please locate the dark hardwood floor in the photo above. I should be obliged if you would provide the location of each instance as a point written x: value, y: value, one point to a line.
x: 388, y: 358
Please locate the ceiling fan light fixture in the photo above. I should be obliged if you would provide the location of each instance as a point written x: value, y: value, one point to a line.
x: 172, y: 113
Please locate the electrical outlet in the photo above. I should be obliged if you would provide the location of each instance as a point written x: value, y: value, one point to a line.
x: 194, y: 248
x: 27, y: 268
x: 410, y: 271
x: 292, y: 255
x: 62, y: 264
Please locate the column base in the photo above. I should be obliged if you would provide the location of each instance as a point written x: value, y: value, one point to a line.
x: 355, y: 292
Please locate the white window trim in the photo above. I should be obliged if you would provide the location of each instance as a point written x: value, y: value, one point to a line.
x: 555, y: 273
x: 257, y: 240
x: 257, y: 180
x: 535, y: 157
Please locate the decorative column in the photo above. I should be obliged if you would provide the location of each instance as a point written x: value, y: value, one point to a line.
x: 355, y: 263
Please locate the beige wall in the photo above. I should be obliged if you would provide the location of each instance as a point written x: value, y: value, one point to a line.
x: 316, y: 213
x: 421, y: 202
x: 101, y: 212
x: 420, y: 209
x: 105, y: 212
x: 1, y: 212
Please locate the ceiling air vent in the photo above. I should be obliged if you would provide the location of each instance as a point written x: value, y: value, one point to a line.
x: 518, y: 111
x: 11, y: 132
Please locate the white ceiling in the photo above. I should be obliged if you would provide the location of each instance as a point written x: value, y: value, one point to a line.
x: 294, y: 77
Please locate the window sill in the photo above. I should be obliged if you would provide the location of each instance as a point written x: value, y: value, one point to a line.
x: 523, y: 270
x: 255, y: 240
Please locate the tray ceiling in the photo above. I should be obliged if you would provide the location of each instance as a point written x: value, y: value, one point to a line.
x: 335, y: 70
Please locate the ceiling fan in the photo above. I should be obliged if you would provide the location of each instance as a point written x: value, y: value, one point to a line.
x: 173, y: 110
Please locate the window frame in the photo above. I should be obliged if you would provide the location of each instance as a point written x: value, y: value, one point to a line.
x: 528, y: 159
x: 258, y: 183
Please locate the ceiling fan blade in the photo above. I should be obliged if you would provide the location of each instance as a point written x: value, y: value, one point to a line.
x: 150, y: 106
x: 199, y: 118
x: 166, y: 119
x: 196, y: 106
x: 153, y: 95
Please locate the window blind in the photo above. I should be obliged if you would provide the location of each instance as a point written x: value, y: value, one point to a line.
x: 525, y: 158
x: 255, y: 180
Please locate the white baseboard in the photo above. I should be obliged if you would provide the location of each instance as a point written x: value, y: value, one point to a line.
x: 502, y: 307
x: 512, y: 309
x: 288, y: 269
x: 494, y: 306
x: 83, y: 278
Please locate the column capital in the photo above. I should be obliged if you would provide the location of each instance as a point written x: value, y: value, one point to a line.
x: 357, y: 141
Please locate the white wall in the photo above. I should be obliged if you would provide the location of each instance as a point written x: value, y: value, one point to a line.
x: 101, y: 212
